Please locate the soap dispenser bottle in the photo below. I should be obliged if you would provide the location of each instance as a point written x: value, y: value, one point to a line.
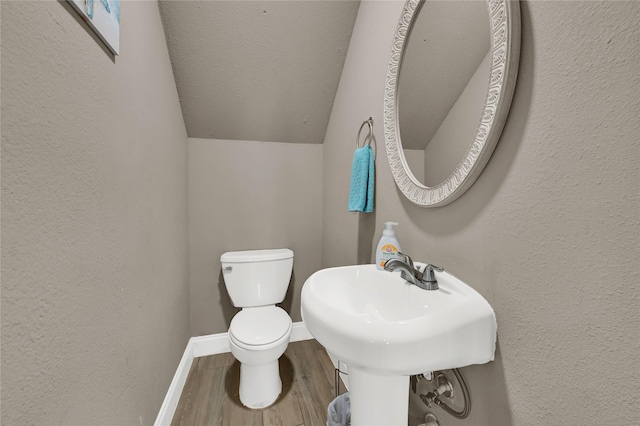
x: 388, y: 247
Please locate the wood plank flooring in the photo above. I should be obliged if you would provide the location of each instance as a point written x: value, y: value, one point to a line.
x: 211, y: 392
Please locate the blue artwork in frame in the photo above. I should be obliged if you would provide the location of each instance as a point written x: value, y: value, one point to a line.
x: 103, y: 16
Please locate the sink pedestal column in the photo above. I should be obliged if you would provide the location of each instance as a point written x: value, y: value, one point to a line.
x: 378, y: 400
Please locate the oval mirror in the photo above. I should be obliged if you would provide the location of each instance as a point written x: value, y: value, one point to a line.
x: 449, y: 86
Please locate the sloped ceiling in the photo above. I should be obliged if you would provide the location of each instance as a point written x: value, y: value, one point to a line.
x: 258, y: 70
x: 268, y: 70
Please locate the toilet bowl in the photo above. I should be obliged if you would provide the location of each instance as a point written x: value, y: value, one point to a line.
x: 259, y: 334
x: 258, y: 352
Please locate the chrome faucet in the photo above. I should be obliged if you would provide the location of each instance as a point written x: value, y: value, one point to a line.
x: 425, y: 279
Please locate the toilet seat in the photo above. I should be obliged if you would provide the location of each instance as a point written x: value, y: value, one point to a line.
x: 260, y: 328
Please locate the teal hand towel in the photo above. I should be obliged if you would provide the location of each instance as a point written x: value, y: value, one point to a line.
x: 362, y: 180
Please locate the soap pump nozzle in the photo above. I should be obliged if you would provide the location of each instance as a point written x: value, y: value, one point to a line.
x: 389, y: 231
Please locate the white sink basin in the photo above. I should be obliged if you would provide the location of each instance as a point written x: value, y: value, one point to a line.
x: 386, y: 329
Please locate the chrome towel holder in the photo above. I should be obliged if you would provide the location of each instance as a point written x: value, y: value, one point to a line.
x: 370, y: 137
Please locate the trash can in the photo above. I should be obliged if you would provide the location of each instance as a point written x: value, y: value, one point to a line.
x: 339, y: 411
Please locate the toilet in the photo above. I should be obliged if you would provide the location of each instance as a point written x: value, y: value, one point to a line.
x: 259, y: 334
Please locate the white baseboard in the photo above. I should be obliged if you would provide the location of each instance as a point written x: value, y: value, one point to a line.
x: 168, y: 408
x: 211, y: 344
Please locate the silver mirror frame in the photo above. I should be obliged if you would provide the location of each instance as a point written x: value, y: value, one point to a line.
x: 505, y: 48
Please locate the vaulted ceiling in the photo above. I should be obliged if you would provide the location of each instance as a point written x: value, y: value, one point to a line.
x: 258, y: 70
x: 268, y: 70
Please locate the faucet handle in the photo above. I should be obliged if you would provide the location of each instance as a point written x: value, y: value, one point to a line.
x: 428, y: 274
x: 407, y: 259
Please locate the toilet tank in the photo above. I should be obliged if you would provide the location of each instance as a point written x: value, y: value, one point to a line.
x: 257, y: 277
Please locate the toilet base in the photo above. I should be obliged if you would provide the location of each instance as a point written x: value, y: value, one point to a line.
x: 260, y: 385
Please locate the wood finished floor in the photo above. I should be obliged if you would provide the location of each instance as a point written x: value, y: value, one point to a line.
x: 211, y: 392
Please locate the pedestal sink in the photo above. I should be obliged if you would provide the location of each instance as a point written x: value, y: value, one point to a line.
x: 386, y: 330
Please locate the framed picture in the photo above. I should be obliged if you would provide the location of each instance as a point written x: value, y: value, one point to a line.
x: 103, y: 16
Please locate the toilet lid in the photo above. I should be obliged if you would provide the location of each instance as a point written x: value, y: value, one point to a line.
x: 256, y: 255
x: 260, y: 326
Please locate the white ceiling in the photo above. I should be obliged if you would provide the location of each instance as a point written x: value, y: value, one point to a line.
x: 258, y: 70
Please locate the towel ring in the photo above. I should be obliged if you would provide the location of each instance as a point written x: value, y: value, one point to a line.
x: 369, y: 138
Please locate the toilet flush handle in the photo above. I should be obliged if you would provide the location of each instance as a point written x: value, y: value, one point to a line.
x: 227, y: 269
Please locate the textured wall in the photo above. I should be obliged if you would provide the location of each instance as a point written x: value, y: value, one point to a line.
x: 549, y: 232
x: 94, y: 221
x: 250, y: 195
